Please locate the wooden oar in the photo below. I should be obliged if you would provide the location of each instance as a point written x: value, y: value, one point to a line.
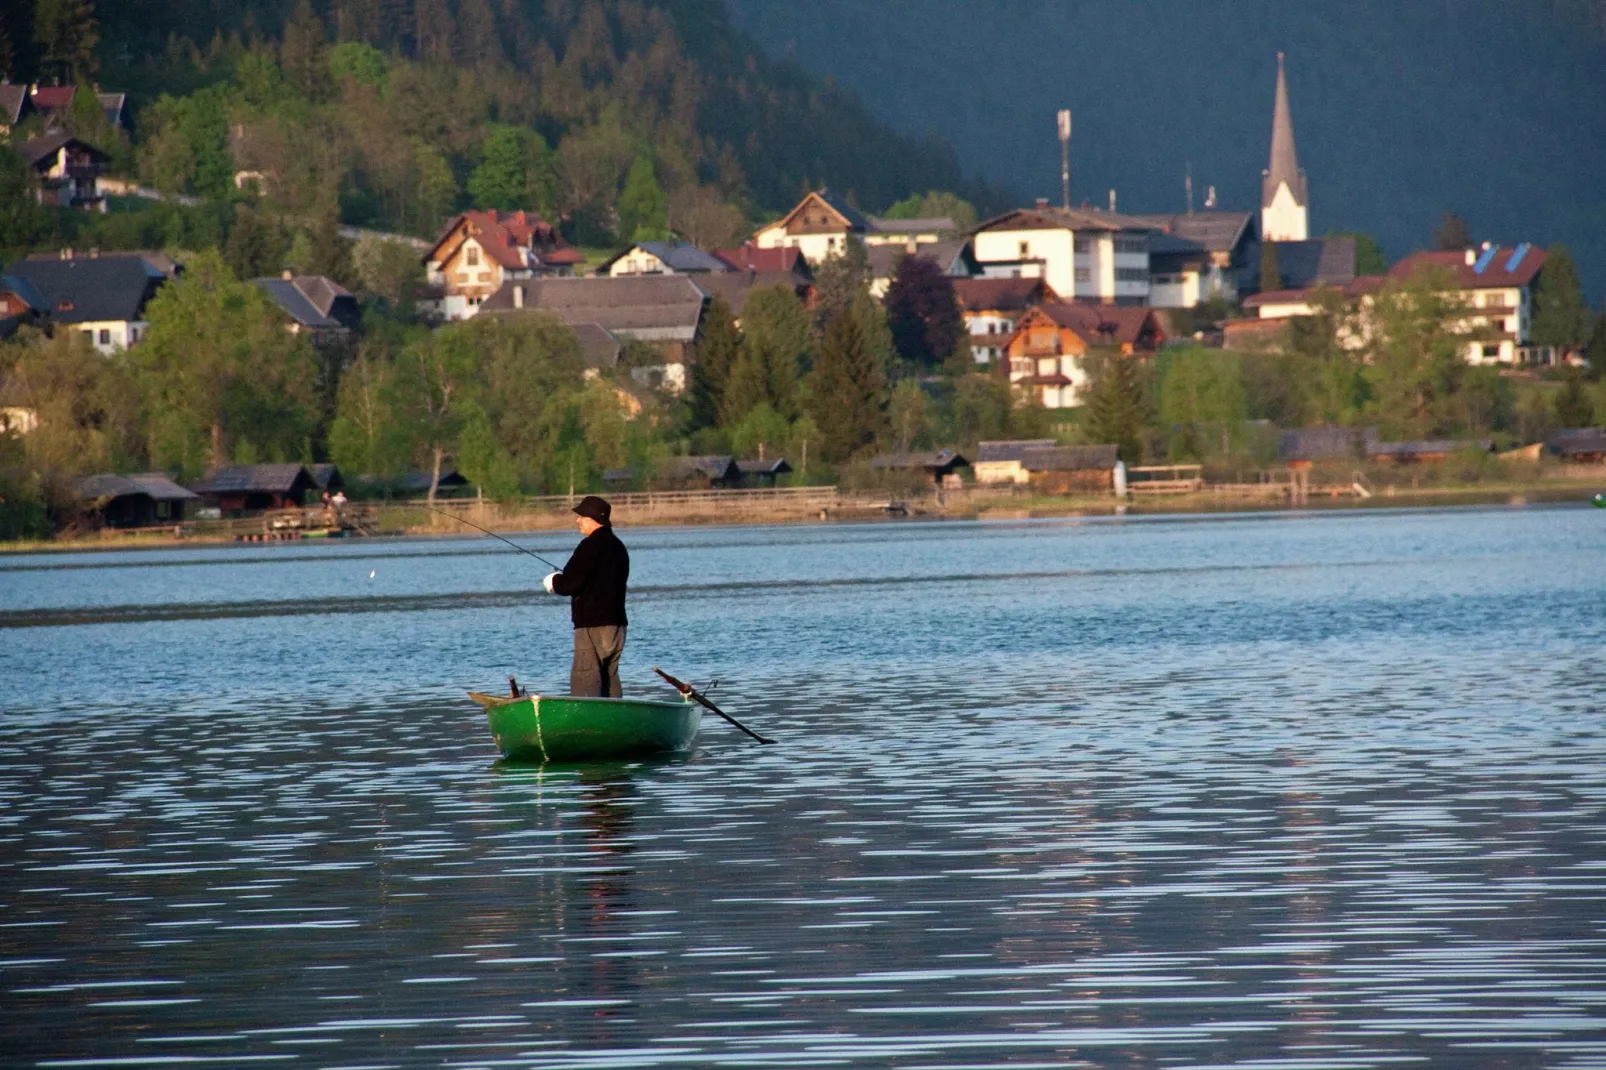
x: 697, y: 697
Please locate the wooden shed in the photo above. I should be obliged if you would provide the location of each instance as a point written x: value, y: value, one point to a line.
x: 939, y: 467
x: 1071, y: 469
x: 137, y: 501
x: 244, y: 488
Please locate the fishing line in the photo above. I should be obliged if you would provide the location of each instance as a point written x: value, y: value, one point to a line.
x: 494, y: 535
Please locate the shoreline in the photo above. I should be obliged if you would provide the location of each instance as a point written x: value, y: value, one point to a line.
x: 971, y: 506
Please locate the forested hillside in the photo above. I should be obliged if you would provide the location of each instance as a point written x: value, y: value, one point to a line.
x: 408, y: 109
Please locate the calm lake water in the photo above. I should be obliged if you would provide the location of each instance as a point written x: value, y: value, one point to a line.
x: 1266, y: 791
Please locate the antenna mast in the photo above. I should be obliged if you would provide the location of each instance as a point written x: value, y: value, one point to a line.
x: 1065, y: 157
x: 1187, y: 184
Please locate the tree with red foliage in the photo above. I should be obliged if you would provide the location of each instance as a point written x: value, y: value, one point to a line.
x: 922, y: 312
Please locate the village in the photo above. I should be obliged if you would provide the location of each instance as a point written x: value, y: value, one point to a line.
x: 1048, y: 299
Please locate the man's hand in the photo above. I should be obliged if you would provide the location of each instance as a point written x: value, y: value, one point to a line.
x: 547, y: 582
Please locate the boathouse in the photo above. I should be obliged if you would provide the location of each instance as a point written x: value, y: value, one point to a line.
x: 244, y: 488
x: 1071, y: 469
x: 136, y: 501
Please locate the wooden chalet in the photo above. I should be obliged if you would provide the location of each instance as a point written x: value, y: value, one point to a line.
x: 479, y: 251
x: 245, y: 488
x: 820, y: 226
x: 66, y: 170
x: 1071, y: 469
x: 136, y: 501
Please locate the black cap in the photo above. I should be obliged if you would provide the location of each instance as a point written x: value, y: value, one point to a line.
x: 594, y: 507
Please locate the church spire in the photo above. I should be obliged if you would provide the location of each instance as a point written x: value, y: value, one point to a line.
x: 1284, y: 197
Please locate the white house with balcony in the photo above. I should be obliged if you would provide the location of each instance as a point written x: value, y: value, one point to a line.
x: 1082, y: 254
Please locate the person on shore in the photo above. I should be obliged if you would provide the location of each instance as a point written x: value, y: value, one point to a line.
x: 594, y: 581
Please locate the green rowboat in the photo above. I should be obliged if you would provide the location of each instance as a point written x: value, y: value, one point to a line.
x: 566, y: 728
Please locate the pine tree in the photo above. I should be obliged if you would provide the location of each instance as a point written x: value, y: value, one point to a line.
x: 256, y: 245
x: 303, y: 53
x: 330, y: 252
x: 1560, y: 314
x: 716, y: 357
x: 66, y: 32
x: 848, y: 391
x: 1115, y: 407
x: 643, y: 206
x: 1595, y: 349
x: 839, y: 280
x: 1452, y: 234
x: 1574, y: 407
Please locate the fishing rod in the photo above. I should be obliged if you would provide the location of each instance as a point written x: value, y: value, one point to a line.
x: 494, y: 535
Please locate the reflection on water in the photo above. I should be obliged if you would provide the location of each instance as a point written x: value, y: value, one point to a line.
x: 1320, y: 792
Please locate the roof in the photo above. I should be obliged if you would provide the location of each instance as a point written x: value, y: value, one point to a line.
x: 1577, y: 440
x: 677, y: 256
x: 851, y: 216
x: 1106, y: 324
x: 1362, y: 285
x: 418, y: 482
x: 646, y: 307
x: 1325, y: 443
x: 156, y: 485
x: 49, y: 97
x: 714, y: 466
x: 291, y: 296
x: 507, y: 238
x: 1044, y: 217
x: 91, y: 289
x: 12, y: 100
x: 750, y: 257
x: 327, y: 476
x: 939, y: 459
x: 734, y: 287
x: 253, y: 479
x: 39, y: 149
x: 1318, y: 261
x: 921, y: 225
x: 1001, y: 295
x: 1284, y: 166
x: 1070, y: 458
x: 598, y: 348
x: 883, y: 259
x: 774, y: 466
x: 24, y: 290
x: 1502, y: 266
x: 1216, y: 232
x: 1008, y: 449
x: 1425, y: 446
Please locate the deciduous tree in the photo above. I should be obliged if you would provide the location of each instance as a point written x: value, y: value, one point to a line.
x: 922, y: 312
x: 1452, y: 234
x: 643, y: 207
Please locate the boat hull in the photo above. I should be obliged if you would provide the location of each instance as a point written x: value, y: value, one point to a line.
x: 565, y: 728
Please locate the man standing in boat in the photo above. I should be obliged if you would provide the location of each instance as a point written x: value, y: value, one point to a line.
x: 594, y: 581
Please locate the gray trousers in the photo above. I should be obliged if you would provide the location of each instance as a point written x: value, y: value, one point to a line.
x: 595, y: 672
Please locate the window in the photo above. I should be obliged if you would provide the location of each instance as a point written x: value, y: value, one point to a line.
x: 471, y: 256
x: 462, y: 276
x: 1025, y: 249
x: 1084, y: 245
x: 105, y: 336
x: 1131, y: 275
x: 1492, y: 351
x: 1131, y: 245
x: 1084, y: 274
x: 1020, y: 366
x: 485, y: 276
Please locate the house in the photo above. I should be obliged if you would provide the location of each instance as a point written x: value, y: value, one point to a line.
x: 928, y: 230
x: 750, y: 257
x: 999, y: 461
x: 1494, y: 285
x: 53, y: 102
x: 1082, y: 254
x: 414, y: 484
x: 662, y: 258
x: 66, y: 170
x: 20, y: 301
x: 134, y: 501
x: 1050, y: 341
x: 992, y: 307
x: 317, y: 306
x: 665, y: 310
x: 241, y: 488
x: 1301, y: 447
x: 699, y: 473
x: 327, y: 477
x: 820, y: 226
x: 1196, y: 256
x: 1578, y: 445
x: 104, y: 296
x: 763, y: 472
x: 734, y: 287
x: 1430, y: 451
x: 479, y: 252
x: 940, y: 468
x: 951, y: 256
x: 1071, y: 469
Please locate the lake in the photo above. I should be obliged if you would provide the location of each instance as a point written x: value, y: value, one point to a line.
x: 1279, y: 791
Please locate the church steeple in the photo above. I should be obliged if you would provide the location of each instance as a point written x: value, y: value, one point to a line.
x: 1284, y: 196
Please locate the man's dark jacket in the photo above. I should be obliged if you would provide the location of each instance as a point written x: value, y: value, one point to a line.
x: 595, y: 579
